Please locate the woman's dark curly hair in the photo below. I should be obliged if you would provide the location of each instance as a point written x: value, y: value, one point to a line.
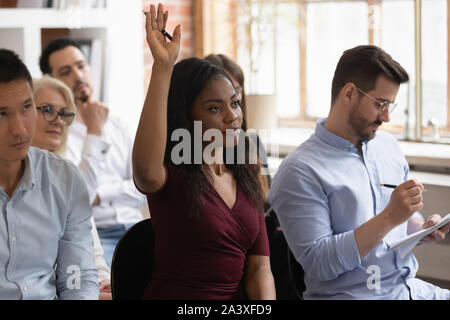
x: 189, y: 77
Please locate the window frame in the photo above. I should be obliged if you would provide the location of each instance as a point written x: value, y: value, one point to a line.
x: 305, y: 121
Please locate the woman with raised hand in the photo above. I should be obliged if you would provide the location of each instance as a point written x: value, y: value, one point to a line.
x: 56, y: 109
x: 210, y: 235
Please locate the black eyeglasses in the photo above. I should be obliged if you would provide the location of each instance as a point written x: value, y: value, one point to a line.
x: 50, y: 114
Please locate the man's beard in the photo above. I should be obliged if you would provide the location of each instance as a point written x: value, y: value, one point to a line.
x: 83, y: 96
x: 360, y: 125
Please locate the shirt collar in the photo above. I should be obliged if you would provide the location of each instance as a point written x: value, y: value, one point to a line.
x: 334, y: 140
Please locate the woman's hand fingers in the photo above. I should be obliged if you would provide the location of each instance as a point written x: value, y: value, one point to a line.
x: 154, y: 24
x: 162, y: 49
x: 160, y: 17
x: 176, y: 38
x: 166, y: 16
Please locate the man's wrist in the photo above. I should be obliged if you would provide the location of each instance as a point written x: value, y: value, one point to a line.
x: 386, y: 220
x: 95, y: 131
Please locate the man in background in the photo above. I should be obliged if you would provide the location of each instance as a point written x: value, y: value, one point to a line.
x: 102, y: 140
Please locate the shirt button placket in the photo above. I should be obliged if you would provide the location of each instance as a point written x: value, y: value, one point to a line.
x: 371, y: 170
x: 376, y: 187
x: 25, y: 290
x: 12, y: 237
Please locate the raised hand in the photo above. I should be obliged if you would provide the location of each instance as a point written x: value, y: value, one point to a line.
x: 163, y: 50
x: 148, y: 163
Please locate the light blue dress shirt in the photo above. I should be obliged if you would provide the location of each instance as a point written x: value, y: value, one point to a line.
x: 46, y: 246
x: 321, y: 193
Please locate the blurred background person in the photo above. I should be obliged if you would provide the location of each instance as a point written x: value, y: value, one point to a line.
x: 56, y: 112
x: 97, y: 134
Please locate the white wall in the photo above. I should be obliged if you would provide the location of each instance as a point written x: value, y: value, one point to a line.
x: 121, y: 29
x: 11, y: 38
x: 125, y: 56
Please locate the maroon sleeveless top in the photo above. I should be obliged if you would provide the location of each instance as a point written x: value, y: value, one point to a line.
x: 201, y: 258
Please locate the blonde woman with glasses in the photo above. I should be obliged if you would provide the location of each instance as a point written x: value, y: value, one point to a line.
x: 56, y: 112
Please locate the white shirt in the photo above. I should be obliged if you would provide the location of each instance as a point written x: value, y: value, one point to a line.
x: 106, y: 166
x: 104, y: 273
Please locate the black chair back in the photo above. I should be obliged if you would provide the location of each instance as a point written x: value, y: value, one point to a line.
x: 132, y: 262
x: 280, y: 263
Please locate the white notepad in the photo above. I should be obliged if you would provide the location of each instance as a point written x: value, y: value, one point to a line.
x: 406, y: 244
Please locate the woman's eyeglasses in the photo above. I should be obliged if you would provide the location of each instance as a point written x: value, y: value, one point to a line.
x: 50, y: 114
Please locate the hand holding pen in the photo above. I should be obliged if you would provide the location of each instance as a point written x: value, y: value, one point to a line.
x: 405, y: 200
x: 393, y: 186
x: 163, y: 31
x: 163, y: 51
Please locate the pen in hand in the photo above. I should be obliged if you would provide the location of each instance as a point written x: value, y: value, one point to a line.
x: 164, y: 32
x: 393, y: 186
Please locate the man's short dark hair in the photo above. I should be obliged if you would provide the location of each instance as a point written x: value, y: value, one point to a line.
x: 12, y: 68
x: 362, y: 66
x: 53, y: 46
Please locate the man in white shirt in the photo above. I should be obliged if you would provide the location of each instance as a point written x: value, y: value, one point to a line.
x: 101, y: 139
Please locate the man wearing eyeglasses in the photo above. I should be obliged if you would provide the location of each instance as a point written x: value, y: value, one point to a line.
x: 46, y: 246
x: 101, y: 139
x: 339, y: 221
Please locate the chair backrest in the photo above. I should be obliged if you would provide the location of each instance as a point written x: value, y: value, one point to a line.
x: 132, y: 262
x: 296, y: 274
x: 287, y: 273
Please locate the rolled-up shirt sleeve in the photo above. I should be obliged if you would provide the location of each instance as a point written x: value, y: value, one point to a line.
x: 75, y: 268
x: 303, y: 211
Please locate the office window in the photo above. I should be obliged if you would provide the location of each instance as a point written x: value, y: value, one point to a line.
x: 331, y: 29
x: 397, y: 38
x: 434, y: 62
x: 268, y: 51
x: 257, y: 46
x: 290, y: 48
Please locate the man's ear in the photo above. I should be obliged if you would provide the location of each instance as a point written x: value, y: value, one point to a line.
x: 349, y: 93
